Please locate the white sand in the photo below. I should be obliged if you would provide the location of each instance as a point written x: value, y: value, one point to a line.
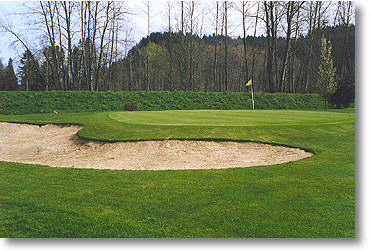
x: 59, y: 146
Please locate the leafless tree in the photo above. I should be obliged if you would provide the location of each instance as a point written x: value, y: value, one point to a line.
x: 215, y: 51
x: 48, y: 13
x: 270, y: 32
x: 245, y: 5
x: 191, y: 27
x: 254, y: 34
x: 291, y: 8
x: 169, y: 45
x: 147, y: 58
x: 225, y: 44
x: 68, y: 9
x: 182, y: 17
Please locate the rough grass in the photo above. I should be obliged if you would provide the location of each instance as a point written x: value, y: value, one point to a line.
x: 313, y: 197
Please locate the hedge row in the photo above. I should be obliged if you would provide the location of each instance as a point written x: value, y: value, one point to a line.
x: 23, y: 102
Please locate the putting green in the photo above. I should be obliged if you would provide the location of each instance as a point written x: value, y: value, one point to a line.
x: 230, y: 117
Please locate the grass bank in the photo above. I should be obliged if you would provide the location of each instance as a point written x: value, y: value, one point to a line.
x: 23, y: 102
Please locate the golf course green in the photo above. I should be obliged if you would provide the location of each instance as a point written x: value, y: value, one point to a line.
x: 310, y: 198
x: 228, y: 118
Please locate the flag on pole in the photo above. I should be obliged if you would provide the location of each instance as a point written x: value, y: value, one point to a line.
x: 248, y: 83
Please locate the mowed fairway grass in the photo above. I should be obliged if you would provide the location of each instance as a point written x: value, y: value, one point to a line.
x: 312, y: 197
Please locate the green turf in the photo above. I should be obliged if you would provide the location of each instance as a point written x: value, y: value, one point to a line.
x: 230, y: 118
x: 313, y: 197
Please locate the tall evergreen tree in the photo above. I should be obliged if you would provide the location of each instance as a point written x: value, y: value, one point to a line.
x: 326, y: 82
x: 30, y: 73
x: 11, y: 81
x: 2, y: 77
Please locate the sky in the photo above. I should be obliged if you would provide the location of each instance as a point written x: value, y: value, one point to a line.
x: 16, y: 14
x: 6, y: 49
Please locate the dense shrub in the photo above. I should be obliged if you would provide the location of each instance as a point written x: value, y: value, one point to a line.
x: 344, y: 95
x: 25, y: 102
x: 130, y: 106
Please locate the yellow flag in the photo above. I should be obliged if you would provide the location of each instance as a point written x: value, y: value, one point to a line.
x: 248, y: 83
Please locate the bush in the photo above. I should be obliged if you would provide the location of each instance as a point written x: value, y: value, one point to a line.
x: 130, y: 106
x: 344, y: 95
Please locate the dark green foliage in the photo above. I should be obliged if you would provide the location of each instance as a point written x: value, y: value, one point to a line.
x: 2, y: 76
x: 30, y: 73
x: 130, y: 106
x: 11, y: 81
x: 23, y: 102
x: 343, y: 39
x: 344, y: 95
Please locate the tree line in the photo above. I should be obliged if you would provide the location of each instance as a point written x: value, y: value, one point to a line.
x: 208, y: 70
x: 86, y: 48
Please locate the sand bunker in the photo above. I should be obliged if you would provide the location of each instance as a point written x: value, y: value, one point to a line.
x: 59, y: 146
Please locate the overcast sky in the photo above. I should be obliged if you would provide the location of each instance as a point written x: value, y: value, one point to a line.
x: 16, y: 14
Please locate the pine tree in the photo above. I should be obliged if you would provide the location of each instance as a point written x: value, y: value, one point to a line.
x: 2, y: 77
x: 326, y: 81
x: 30, y: 73
x: 11, y: 81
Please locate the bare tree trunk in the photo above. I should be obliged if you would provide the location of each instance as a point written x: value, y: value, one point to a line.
x: 310, y: 50
x: 215, y: 54
x: 182, y: 17
x: 110, y: 60
x: 293, y: 78
x: 254, y: 49
x: 54, y: 49
x: 147, y: 58
x: 245, y: 42
x: 102, y: 43
x: 95, y: 66
x: 68, y: 13
x: 191, y: 84
x: 50, y: 31
x: 171, y: 77
x: 225, y: 43
x: 61, y: 64
x: 289, y: 17
x: 269, y: 54
x: 221, y: 75
x: 319, y: 15
x: 90, y: 44
x: 83, y: 41
x: 274, y: 24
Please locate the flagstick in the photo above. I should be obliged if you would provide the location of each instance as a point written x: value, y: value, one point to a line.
x: 252, y: 97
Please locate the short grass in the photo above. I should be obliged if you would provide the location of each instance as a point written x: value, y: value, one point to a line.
x: 313, y: 197
x: 230, y: 118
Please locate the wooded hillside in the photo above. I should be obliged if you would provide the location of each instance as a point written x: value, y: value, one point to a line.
x: 305, y: 47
